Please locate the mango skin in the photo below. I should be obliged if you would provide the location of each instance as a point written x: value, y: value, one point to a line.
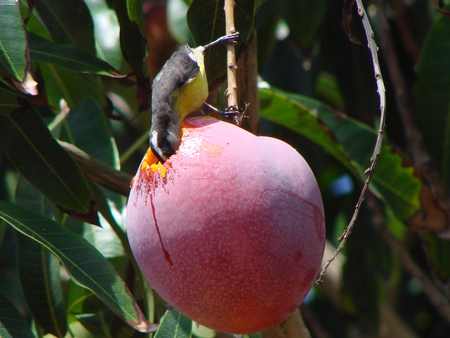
x: 231, y: 230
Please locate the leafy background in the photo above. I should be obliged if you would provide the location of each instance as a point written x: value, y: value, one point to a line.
x: 74, y: 116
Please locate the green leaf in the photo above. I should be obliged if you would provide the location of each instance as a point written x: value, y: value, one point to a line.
x: 65, y: 84
x: 438, y: 251
x: 13, y: 46
x: 136, y: 14
x: 84, y: 263
x: 69, y: 57
x: 206, y: 21
x: 174, y: 325
x: 39, y: 273
x: 68, y: 23
x: 351, y: 142
x: 110, y: 239
x: 13, y: 42
x: 39, y: 270
x: 12, y: 323
x: 432, y: 95
x: 9, y: 99
x: 282, y: 108
x: 107, y: 30
x: 304, y: 19
x: 366, y: 253
x: 90, y: 132
x: 134, y: 49
x: 132, y: 41
x: 29, y: 145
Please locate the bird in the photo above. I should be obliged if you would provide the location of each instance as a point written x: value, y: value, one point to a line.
x: 180, y: 88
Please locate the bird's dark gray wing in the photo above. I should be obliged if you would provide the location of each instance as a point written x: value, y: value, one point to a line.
x: 178, y: 70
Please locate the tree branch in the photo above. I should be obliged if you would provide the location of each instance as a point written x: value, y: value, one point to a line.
x: 98, y: 171
x: 231, y: 57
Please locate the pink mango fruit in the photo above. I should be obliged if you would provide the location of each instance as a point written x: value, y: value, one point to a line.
x: 230, y: 230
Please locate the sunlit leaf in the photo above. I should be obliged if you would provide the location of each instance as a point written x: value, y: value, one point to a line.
x: 281, y: 108
x: 106, y: 29
x: 84, y: 263
x: 29, y: 145
x: 13, y: 47
x: 12, y: 40
x: 351, y: 142
x: 174, y: 325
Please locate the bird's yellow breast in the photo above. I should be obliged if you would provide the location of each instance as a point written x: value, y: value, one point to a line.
x: 194, y: 92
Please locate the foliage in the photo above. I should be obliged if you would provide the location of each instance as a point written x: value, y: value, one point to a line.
x: 74, y: 116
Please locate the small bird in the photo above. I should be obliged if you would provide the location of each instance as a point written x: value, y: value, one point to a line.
x: 180, y: 88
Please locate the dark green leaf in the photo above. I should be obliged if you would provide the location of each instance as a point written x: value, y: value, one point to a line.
x: 9, y: 99
x: 134, y: 49
x: 84, y: 263
x: 135, y: 14
x: 65, y: 84
x: 13, y: 46
x: 39, y: 273
x: 68, y: 56
x: 39, y: 270
x: 353, y: 144
x: 436, y: 4
x: 304, y: 19
x: 67, y: 23
x: 29, y: 145
x: 90, y: 131
x: 174, y: 325
x: 438, y: 251
x: 134, y: 46
x: 12, y: 323
x: 432, y: 95
x: 365, y: 253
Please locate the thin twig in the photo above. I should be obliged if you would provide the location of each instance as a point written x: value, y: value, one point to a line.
x: 231, y: 57
x: 373, y: 48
